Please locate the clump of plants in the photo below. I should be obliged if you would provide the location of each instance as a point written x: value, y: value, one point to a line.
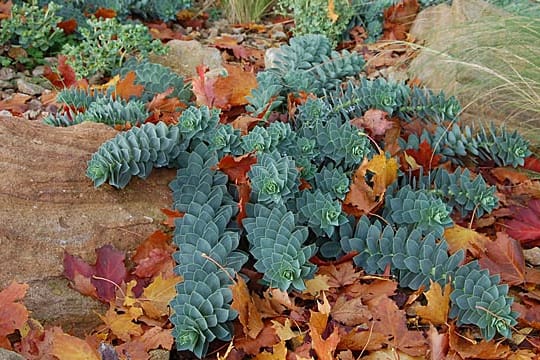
x: 320, y: 183
x: 34, y: 31
x: 106, y: 44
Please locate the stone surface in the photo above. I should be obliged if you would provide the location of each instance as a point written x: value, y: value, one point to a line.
x: 185, y: 56
x: 9, y: 355
x: 29, y: 88
x: 532, y: 256
x: 48, y: 206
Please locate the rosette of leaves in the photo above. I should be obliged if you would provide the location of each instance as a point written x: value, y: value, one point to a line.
x: 278, y: 246
x: 276, y: 136
x: 417, y: 209
x: 370, y: 15
x: 78, y: 98
x: 225, y: 140
x: 333, y: 181
x: 459, y: 190
x: 479, y: 299
x: 427, y: 105
x: 106, y: 44
x: 320, y: 212
x: 306, y: 64
x: 156, y: 79
x: 274, y: 178
x: 196, y: 122
x: 414, y: 258
x: 134, y: 153
x: 202, y: 311
x: 502, y: 147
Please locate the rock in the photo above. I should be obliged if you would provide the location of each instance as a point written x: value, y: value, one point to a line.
x: 48, y: 206
x: 185, y: 56
x: 29, y: 88
x: 38, y: 71
x: 9, y: 355
x: 270, y: 56
x: 4, y: 84
x: 7, y: 74
x: 532, y: 256
x: 159, y: 354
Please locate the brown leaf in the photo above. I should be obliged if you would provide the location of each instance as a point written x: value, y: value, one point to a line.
x: 266, y: 338
x: 391, y: 354
x: 157, y: 240
x: 424, y: 156
x: 68, y: 26
x: 340, y: 275
x: 438, y: 304
x: 375, y: 121
x: 13, y: 315
x: 438, y: 343
x: 245, y: 123
x: 65, y: 76
x: 244, y: 192
x: 5, y: 9
x: 248, y: 314
x: 316, y: 285
x: 165, y: 108
x: 156, y: 337
x: 372, y: 290
x: 158, y: 295
x: 237, y: 167
x: 279, y: 352
x: 105, y: 13
x: 154, y: 255
x: 332, y: 11
x: 171, y: 216
x: 350, y: 312
x: 16, y: 104
x: 513, y: 176
x: 361, y: 339
x: 461, y: 238
x: 324, y: 348
x: 126, y: 87
x: 469, y: 348
x: 399, y: 18
x: 161, y: 31
x: 67, y: 347
x: 228, y: 42
x: 284, y: 331
x: 504, y: 256
x: 391, y: 321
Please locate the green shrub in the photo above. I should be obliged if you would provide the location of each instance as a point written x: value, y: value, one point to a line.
x: 107, y: 44
x: 34, y: 29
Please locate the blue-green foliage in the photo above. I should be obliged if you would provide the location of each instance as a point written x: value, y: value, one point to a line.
x: 274, y: 179
x: 135, y: 153
x: 333, y: 181
x: 477, y: 297
x: 307, y: 64
x: 417, y: 209
x: 277, y: 243
x: 202, y: 311
x: 455, y: 143
x: 164, y: 10
x: 320, y: 212
x: 156, y: 79
x: 459, y: 190
x: 370, y: 15
x: 225, y: 140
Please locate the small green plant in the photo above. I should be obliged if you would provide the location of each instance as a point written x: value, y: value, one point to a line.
x: 107, y: 44
x: 33, y: 28
x: 245, y: 11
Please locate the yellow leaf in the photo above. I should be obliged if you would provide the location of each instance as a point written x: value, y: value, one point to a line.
x: 130, y: 299
x: 385, y: 172
x: 284, y: 331
x: 122, y: 325
x: 279, y: 352
x: 156, y: 296
x: 438, y: 304
x: 459, y: 237
x: 111, y: 83
x: 391, y: 354
x: 67, y: 347
x: 317, y: 284
x: 332, y: 11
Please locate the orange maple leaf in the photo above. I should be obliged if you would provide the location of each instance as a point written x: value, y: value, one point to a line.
x: 126, y: 87
x: 438, y: 304
x: 123, y: 325
x: 237, y: 167
x: 157, y: 296
x: 324, y: 348
x: 13, y: 315
x: 248, y: 314
x: 461, y: 238
x: 67, y: 347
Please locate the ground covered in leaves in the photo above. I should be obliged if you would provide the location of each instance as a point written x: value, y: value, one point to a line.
x: 344, y: 313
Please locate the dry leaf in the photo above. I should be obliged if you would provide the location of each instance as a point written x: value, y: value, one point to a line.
x: 504, y: 256
x: 123, y: 325
x: 438, y: 304
x: 469, y: 348
x: 157, y: 296
x: 279, y: 352
x: 248, y: 314
x: 67, y: 347
x: 461, y: 238
x: 375, y: 121
x: 126, y: 88
x: 317, y: 284
x: 350, y: 312
x: 284, y: 331
x: 13, y: 315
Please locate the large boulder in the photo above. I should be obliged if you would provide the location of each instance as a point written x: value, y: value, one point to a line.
x: 48, y: 206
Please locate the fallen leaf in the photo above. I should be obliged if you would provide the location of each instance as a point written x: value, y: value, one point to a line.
x: 332, y: 11
x: 391, y: 354
x: 79, y: 273
x: 172, y: 215
x: 317, y: 284
x: 532, y: 163
x: 384, y: 172
x: 511, y: 175
x: 69, y: 26
x: 157, y: 296
x: 156, y: 337
x: 67, y: 347
x: 161, y: 31
x: 65, y: 76
x: 266, y: 338
x: 374, y: 289
x: 504, y: 256
x: 5, y: 9
x: 105, y: 13
x: 525, y: 225
x: 324, y: 348
x: 228, y: 42
x: 284, y: 331
x: 16, y: 104
x: 123, y: 325
x: 424, y: 156
x: 398, y: 19
x: 469, y: 348
x: 361, y: 338
x: 391, y: 321
x: 245, y: 123
x: 375, y: 121
x: 165, y: 108
x: 438, y: 343
x: 126, y: 88
x: 158, y: 261
x: 248, y: 314
x: 438, y: 304
x: 279, y: 352
x: 244, y: 193
x: 110, y: 272
x: 13, y: 315
x: 350, y: 312
x: 340, y: 275
x: 461, y: 238
x: 237, y: 167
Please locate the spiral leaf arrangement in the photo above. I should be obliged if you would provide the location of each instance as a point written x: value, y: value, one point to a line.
x: 477, y: 297
x: 202, y: 311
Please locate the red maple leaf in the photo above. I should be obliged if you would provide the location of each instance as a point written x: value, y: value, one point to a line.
x: 504, y: 256
x: 525, y: 226
x: 65, y: 76
x: 424, y: 156
x: 237, y: 167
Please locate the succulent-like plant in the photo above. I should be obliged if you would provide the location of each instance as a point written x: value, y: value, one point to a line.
x: 333, y: 181
x: 320, y: 212
x: 277, y: 244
